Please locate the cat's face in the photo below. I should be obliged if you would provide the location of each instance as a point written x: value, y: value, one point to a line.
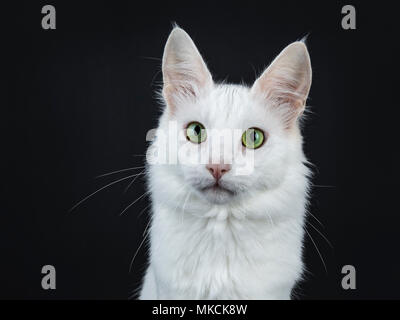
x: 232, y: 140
x: 218, y: 164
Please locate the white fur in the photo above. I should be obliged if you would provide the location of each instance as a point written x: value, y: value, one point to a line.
x: 222, y: 246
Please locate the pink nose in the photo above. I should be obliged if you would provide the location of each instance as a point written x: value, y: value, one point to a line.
x: 218, y: 170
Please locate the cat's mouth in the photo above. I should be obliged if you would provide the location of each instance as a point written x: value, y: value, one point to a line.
x: 218, y: 188
x: 217, y: 193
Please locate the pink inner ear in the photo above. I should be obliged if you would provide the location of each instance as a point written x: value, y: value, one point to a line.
x: 173, y: 93
x: 184, y: 81
x: 184, y: 71
x: 286, y: 82
x: 283, y: 94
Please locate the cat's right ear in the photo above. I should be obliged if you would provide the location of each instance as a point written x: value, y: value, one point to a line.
x: 185, y: 74
x: 286, y: 82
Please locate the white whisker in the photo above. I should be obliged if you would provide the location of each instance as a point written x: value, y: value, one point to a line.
x: 140, y: 245
x: 118, y: 171
x: 133, y: 180
x: 137, y: 199
x: 316, y: 219
x: 143, y: 210
x: 270, y: 219
x: 319, y: 253
x: 102, y: 188
x: 322, y: 186
x: 321, y: 234
x: 184, y: 205
x: 150, y: 58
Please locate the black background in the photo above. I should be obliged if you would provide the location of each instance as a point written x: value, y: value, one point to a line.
x: 80, y: 99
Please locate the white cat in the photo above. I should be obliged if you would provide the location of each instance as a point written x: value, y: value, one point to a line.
x: 217, y: 234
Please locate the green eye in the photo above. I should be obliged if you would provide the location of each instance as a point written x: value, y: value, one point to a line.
x: 253, y: 138
x: 195, y: 132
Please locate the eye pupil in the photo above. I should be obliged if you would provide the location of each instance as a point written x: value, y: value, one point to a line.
x: 254, y: 136
x: 197, y: 129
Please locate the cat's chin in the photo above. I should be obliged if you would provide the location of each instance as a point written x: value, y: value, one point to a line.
x: 217, y: 194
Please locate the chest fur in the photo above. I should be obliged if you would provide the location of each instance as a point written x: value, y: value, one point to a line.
x: 222, y: 256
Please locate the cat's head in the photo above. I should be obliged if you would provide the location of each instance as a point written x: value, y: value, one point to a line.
x: 233, y: 140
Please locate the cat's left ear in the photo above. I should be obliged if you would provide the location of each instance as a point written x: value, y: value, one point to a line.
x: 185, y: 73
x: 285, y: 84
